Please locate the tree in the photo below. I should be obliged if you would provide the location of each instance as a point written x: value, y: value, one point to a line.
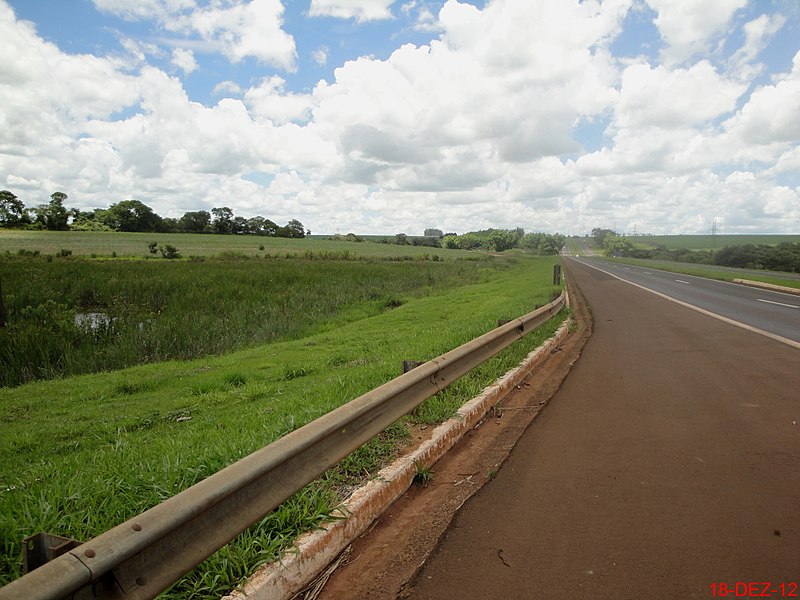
x: 223, y: 220
x: 434, y: 233
x: 293, y: 229
x: 54, y: 215
x: 196, y: 222
x: 599, y: 235
x: 239, y: 225
x: 401, y: 239
x: 131, y: 215
x: 12, y: 210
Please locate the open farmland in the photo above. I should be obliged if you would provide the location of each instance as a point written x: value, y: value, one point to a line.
x: 124, y: 244
x: 83, y: 453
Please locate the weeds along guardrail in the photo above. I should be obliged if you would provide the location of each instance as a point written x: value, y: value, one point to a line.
x: 143, y: 556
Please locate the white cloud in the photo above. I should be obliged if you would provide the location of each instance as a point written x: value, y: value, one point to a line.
x: 243, y: 29
x: 227, y: 87
x: 269, y: 100
x: 236, y: 28
x: 144, y: 9
x: 771, y: 114
x: 360, y: 10
x: 184, y: 60
x: 320, y: 56
x: 688, y: 26
x: 669, y: 98
x: 757, y: 34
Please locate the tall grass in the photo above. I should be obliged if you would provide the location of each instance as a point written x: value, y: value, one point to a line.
x: 133, y: 312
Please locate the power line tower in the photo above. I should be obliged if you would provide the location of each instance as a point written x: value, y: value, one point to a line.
x: 714, y: 228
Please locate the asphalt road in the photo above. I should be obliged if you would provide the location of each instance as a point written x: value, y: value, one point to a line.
x: 667, y: 466
x: 773, y: 312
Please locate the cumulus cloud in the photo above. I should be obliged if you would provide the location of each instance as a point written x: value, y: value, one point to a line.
x: 771, y: 114
x: 360, y: 10
x: 688, y: 26
x: 236, y: 28
x: 184, y: 60
x: 270, y: 100
x: 670, y: 98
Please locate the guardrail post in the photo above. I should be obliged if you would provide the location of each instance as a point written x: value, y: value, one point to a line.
x: 556, y: 274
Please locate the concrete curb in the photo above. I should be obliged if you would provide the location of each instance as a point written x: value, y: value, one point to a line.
x: 768, y: 286
x: 315, y: 550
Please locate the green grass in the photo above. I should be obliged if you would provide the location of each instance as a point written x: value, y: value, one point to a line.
x: 84, y: 453
x: 106, y: 243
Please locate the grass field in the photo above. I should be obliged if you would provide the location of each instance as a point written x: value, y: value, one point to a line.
x: 104, y: 244
x: 83, y: 453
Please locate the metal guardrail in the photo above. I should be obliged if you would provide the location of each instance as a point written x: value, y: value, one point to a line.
x: 143, y: 556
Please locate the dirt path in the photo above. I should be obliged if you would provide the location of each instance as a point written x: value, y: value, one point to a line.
x: 668, y: 462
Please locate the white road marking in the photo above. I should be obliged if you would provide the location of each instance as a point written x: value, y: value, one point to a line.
x: 682, y: 281
x: 778, y: 303
x: 647, y: 273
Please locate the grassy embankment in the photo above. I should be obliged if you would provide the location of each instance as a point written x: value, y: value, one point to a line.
x: 84, y: 453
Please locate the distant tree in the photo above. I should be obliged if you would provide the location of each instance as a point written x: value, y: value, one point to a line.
x: 169, y: 225
x: 89, y: 220
x: 131, y: 215
x: 600, y: 235
x: 196, y: 222
x: 450, y: 241
x: 401, y: 239
x: 54, y: 215
x: 434, y: 233
x: 293, y: 229
x: 239, y: 225
x: 222, y: 220
x: 12, y: 210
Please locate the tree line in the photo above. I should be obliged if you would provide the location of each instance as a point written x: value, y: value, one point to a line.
x: 133, y: 215
x: 499, y: 240
x: 780, y: 257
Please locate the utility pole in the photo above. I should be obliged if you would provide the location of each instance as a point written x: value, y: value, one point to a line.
x: 714, y: 233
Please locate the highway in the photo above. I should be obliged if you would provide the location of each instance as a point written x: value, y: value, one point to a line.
x: 666, y: 466
x: 775, y: 313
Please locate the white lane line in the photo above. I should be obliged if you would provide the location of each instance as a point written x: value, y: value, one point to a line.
x: 647, y: 273
x: 682, y: 281
x: 778, y: 303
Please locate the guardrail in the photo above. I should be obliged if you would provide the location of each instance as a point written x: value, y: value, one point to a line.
x: 143, y: 556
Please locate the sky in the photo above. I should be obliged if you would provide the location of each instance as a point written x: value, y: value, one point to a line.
x: 382, y: 117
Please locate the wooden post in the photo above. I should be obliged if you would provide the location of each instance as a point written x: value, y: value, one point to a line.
x: 2, y: 308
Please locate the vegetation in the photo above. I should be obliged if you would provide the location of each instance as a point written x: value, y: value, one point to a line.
x: 84, y: 453
x: 69, y: 316
x: 499, y: 240
x: 133, y: 215
x: 780, y: 256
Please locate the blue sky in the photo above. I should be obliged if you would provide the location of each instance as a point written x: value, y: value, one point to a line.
x: 377, y: 116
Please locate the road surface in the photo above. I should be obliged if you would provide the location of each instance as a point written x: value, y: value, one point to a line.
x: 773, y: 312
x: 666, y: 466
